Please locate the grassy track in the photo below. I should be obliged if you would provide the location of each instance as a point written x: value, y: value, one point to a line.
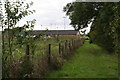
x: 90, y: 61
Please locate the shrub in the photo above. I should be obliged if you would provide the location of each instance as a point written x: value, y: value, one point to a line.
x: 56, y: 62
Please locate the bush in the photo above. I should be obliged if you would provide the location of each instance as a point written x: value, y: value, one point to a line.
x: 56, y: 62
x: 26, y: 67
x: 40, y: 67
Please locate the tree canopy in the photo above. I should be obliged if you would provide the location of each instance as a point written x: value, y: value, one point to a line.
x: 81, y: 14
x: 104, y: 30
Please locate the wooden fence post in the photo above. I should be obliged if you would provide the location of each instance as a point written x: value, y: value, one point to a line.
x: 66, y: 46
x: 49, y: 53
x: 77, y: 43
x: 62, y: 51
x: 80, y: 43
x: 69, y: 46
x: 59, y: 49
x: 73, y: 44
x: 27, y: 50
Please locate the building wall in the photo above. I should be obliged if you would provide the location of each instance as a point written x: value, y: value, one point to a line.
x: 64, y: 35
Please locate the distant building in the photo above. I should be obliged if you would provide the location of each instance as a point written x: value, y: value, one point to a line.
x: 56, y: 32
x: 20, y: 32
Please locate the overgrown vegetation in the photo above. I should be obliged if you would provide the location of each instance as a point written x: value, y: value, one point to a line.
x: 89, y: 61
x: 35, y: 65
x: 105, y: 29
x: 26, y: 56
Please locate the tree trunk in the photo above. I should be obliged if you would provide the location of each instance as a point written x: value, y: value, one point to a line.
x: 9, y: 42
x: 3, y: 49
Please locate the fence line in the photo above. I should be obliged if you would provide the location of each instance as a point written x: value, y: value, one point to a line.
x: 49, y: 53
x: 64, y: 49
x: 48, y: 60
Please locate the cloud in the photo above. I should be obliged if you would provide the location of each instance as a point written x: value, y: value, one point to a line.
x: 48, y: 12
x: 49, y: 15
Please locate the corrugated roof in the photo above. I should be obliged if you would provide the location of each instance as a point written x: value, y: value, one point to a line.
x: 55, y: 32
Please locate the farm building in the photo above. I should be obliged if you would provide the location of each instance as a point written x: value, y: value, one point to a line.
x: 20, y: 32
x: 56, y: 32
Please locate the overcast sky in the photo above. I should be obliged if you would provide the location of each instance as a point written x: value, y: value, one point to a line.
x: 49, y: 14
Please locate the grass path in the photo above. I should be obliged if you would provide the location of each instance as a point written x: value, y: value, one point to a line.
x: 90, y: 61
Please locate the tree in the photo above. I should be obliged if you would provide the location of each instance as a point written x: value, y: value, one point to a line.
x: 104, y: 30
x: 115, y: 23
x: 14, y: 12
x: 1, y: 24
x: 81, y: 14
x: 83, y: 32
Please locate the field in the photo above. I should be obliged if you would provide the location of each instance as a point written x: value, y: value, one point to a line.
x: 89, y: 49
x: 40, y: 45
x: 90, y: 61
x: 40, y: 58
x: 87, y: 61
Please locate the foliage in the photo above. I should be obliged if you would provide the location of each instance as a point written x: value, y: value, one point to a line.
x: 89, y: 61
x: 26, y: 67
x: 13, y: 13
x: 57, y: 62
x: 116, y: 27
x: 104, y: 30
x: 36, y: 64
x: 81, y: 14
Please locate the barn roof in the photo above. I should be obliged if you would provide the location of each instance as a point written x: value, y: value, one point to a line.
x: 55, y: 32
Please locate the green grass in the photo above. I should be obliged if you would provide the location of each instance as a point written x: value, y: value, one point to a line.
x: 89, y: 61
x: 41, y: 46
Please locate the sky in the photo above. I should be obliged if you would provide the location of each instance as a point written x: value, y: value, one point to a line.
x: 49, y: 15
